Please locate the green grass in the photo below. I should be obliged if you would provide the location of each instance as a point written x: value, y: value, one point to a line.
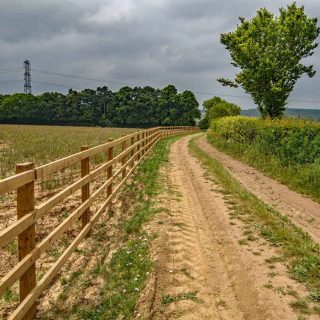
x: 300, y: 305
x: 191, y: 295
x: 125, y: 275
x: 301, y: 253
x: 274, y: 259
x: 303, y: 178
x: 10, y: 296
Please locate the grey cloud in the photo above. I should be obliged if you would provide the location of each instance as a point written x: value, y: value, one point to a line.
x: 132, y: 41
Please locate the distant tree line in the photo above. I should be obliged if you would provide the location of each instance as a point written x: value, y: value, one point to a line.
x: 128, y: 107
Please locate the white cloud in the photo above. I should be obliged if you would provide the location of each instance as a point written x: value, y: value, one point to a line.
x: 114, y: 11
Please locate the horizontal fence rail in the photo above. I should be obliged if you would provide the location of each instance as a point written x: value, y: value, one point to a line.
x: 117, y: 169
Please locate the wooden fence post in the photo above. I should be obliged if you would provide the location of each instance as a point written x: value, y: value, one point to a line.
x: 123, y: 148
x: 132, y: 151
x: 149, y: 139
x: 138, y: 148
x: 109, y: 171
x: 26, y: 239
x: 85, y: 190
x: 143, y: 143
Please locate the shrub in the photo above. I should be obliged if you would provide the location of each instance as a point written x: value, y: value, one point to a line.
x: 293, y: 141
x: 223, y: 109
x: 217, y: 108
x: 236, y: 129
x: 203, y: 124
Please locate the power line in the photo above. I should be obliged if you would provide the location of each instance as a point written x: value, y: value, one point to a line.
x: 308, y: 101
x: 56, y: 84
x: 130, y: 84
x: 10, y: 69
x: 218, y: 94
x: 7, y: 81
x: 82, y: 78
x: 245, y: 97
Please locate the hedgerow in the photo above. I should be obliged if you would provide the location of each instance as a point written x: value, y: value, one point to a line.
x: 288, y: 149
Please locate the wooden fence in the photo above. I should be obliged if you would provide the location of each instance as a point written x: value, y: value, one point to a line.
x: 133, y: 148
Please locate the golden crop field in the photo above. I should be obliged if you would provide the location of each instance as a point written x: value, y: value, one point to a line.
x: 42, y: 144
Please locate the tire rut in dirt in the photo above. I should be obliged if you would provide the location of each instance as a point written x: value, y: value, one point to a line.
x: 204, y: 257
x: 301, y: 210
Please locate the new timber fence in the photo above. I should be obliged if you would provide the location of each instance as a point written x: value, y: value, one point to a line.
x: 131, y: 148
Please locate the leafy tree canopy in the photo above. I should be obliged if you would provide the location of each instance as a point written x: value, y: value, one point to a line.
x: 217, y: 108
x: 128, y: 107
x: 268, y: 49
x: 207, y: 104
x: 223, y: 109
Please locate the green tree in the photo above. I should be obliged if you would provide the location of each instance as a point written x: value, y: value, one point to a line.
x: 20, y: 108
x: 167, y: 104
x: 104, y: 96
x: 216, y: 108
x: 268, y: 49
x: 187, y: 110
x: 207, y: 104
x: 128, y: 107
x: 223, y: 109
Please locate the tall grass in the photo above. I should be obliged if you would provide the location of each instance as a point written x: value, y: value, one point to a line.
x: 42, y: 144
x: 287, y: 149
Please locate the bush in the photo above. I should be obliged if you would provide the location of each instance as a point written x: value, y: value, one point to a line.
x: 293, y: 141
x: 223, y: 109
x: 203, y: 124
x: 237, y: 129
x: 217, y: 108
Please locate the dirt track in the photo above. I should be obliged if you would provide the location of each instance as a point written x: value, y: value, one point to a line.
x: 301, y: 210
x: 200, y: 264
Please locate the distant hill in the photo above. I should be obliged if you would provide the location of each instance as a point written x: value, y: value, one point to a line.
x: 296, y: 113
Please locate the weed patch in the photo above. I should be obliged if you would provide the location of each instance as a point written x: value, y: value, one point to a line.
x: 191, y: 295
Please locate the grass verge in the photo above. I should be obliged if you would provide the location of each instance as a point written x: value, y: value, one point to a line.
x: 125, y: 274
x: 301, y: 253
x: 304, y: 178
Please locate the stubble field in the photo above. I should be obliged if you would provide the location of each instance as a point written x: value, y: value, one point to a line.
x: 42, y: 144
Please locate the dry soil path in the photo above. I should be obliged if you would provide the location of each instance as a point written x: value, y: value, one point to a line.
x: 198, y: 255
x: 301, y: 210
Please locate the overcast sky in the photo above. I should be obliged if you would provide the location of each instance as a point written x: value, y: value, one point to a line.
x: 139, y: 42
